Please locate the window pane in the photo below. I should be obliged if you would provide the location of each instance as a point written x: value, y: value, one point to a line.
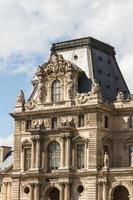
x: 27, y: 158
x: 54, y: 155
x: 80, y: 156
x: 81, y: 120
x: 56, y: 91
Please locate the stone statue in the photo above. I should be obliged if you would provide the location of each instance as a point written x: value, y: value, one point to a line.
x: 70, y: 87
x: 120, y: 96
x: 106, y: 160
x: 21, y: 98
x: 131, y: 159
x: 95, y: 88
x: 40, y: 92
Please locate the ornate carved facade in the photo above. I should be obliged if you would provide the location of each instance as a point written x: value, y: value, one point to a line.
x: 72, y: 140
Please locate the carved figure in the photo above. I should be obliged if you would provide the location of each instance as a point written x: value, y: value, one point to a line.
x: 131, y: 159
x: 106, y: 160
x: 120, y: 96
x: 70, y: 87
x: 95, y: 88
x: 40, y: 92
x: 21, y: 98
x: 82, y: 98
x: 31, y: 104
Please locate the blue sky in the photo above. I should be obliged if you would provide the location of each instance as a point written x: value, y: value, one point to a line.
x: 29, y: 27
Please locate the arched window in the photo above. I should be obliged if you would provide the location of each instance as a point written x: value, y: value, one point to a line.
x: 56, y: 91
x: 54, y: 155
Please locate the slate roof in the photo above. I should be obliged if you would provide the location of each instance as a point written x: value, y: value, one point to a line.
x: 7, y: 163
x: 104, y: 67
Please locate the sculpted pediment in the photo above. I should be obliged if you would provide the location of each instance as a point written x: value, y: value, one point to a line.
x: 57, y: 65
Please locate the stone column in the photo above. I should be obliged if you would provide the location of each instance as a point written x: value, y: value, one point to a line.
x: 67, y: 191
x: 104, y: 191
x: 31, y: 191
x: 36, y: 192
x: 5, y: 191
x: 62, y: 152
x: 62, y: 191
x: 33, y: 154
x: 38, y: 153
x: 99, y: 190
x: 73, y: 156
x: 86, y: 153
x: 22, y: 159
x: 131, y: 185
x: 68, y: 152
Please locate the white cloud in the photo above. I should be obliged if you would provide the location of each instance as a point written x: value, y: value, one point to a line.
x: 28, y: 27
x: 6, y: 141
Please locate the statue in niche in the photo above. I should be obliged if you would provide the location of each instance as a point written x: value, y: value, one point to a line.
x: 106, y: 160
x: 40, y: 92
x: 120, y: 96
x: 95, y: 88
x: 131, y: 159
x: 70, y: 87
x: 21, y: 98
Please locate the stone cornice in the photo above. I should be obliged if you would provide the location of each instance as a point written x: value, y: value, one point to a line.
x: 81, y: 42
x: 62, y: 111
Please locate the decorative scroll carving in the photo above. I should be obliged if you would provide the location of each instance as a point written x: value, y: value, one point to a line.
x: 55, y: 65
x: 31, y: 104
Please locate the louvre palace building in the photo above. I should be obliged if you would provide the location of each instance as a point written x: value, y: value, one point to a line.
x: 73, y: 137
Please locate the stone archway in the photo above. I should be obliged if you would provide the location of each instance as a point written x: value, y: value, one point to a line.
x: 120, y: 193
x: 53, y: 194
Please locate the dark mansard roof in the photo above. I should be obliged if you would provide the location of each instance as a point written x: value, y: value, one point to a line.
x: 104, y: 67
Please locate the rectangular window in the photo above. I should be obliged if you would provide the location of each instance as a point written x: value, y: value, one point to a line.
x: 27, y: 158
x: 54, y: 123
x: 28, y: 125
x: 81, y: 156
x: 80, y: 120
x: 131, y: 121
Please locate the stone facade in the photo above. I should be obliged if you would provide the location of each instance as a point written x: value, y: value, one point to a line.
x: 71, y: 144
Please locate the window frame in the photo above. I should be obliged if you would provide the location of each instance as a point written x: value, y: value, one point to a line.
x: 56, y: 91
x: 80, y: 157
x: 27, y: 160
x: 54, y: 155
x: 28, y: 125
x: 81, y: 120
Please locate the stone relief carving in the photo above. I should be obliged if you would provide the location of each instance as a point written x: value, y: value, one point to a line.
x: 31, y: 104
x: 82, y: 98
x: 66, y: 121
x: 55, y: 65
x: 41, y: 124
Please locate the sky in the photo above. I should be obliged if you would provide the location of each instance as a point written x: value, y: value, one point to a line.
x: 29, y: 27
